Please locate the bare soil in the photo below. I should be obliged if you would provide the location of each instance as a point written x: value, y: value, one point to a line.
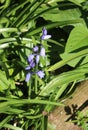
x: 61, y: 117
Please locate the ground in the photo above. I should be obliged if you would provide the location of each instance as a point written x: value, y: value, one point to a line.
x: 61, y: 117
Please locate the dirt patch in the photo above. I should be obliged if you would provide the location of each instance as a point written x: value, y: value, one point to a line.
x: 61, y: 117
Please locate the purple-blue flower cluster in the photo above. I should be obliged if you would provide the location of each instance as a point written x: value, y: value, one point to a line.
x: 44, y: 34
x: 34, y: 58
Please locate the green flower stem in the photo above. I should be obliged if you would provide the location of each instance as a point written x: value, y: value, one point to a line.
x: 36, y: 82
x: 29, y: 89
x: 36, y: 89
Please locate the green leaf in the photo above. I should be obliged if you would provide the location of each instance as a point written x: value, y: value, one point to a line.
x: 13, y: 111
x: 69, y: 58
x: 60, y: 91
x: 77, y: 2
x: 21, y: 102
x: 4, y: 83
x: 5, y: 121
x: 62, y: 15
x: 7, y: 40
x: 33, y: 7
x: 31, y: 101
x: 8, y: 30
x: 12, y: 127
x: 62, y: 79
x: 55, y: 42
x: 52, y: 25
x: 78, y: 40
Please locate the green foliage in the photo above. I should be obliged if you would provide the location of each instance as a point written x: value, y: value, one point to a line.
x: 78, y: 40
x: 64, y: 78
x: 26, y: 105
x: 82, y: 119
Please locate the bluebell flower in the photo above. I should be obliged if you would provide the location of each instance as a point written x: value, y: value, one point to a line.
x: 28, y: 68
x: 32, y: 64
x: 41, y: 74
x: 34, y: 58
x: 28, y: 76
x: 37, y: 58
x: 44, y: 31
x: 35, y: 49
x: 42, y: 52
x: 30, y: 58
x: 44, y: 34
